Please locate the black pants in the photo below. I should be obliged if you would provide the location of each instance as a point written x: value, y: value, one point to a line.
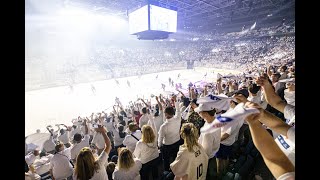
x: 151, y: 166
x: 169, y: 153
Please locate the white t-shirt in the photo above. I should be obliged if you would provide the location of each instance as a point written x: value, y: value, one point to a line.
x: 131, y: 174
x: 49, y: 145
x: 130, y: 142
x: 109, y: 125
x: 98, y: 140
x: 210, y: 141
x: 289, y: 114
x: 290, y: 97
x: 156, y: 122
x: 43, y: 165
x: 30, y: 158
x: 61, y: 166
x: 143, y: 120
x: 101, y: 173
x: 64, y: 138
x: 259, y: 99
x: 169, y: 131
x: 76, y: 148
x: 194, y: 164
x: 117, y: 139
x: 233, y: 131
x: 75, y: 131
x: 287, y: 144
x: 146, y: 152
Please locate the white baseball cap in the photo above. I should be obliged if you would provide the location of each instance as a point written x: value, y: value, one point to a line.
x: 204, y: 107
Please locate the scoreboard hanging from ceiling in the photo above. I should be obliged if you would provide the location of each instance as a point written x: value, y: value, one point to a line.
x: 153, y: 22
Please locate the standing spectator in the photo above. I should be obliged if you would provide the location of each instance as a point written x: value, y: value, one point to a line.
x: 80, y: 143
x: 229, y: 135
x: 156, y: 121
x: 144, y: 118
x: 277, y: 162
x: 131, y: 139
x: 86, y: 167
x: 210, y: 141
x: 147, y: 151
x: 169, y: 136
x: 49, y: 145
x: 119, y: 136
x: 192, y: 161
x: 64, y: 136
x: 127, y: 167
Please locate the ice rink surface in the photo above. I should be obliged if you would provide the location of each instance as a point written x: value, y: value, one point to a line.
x: 62, y: 104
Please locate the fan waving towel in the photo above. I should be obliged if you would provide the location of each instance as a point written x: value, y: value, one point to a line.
x: 230, y: 117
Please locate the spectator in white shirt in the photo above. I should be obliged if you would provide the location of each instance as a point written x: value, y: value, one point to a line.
x: 169, y: 134
x: 118, y: 136
x: 147, y: 151
x: 286, y: 145
x: 31, y: 174
x: 210, y: 141
x: 60, y: 164
x: 79, y: 143
x: 127, y: 168
x: 131, y: 140
x: 156, y: 121
x: 49, y: 145
x: 64, y: 136
x: 144, y: 118
x: 228, y: 136
x: 192, y: 161
x: 32, y: 156
x: 42, y: 165
x: 277, y: 162
x: 87, y: 167
x: 289, y: 93
x: 255, y: 95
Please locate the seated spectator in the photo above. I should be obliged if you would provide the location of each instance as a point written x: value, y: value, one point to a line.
x: 60, y: 164
x: 32, y: 156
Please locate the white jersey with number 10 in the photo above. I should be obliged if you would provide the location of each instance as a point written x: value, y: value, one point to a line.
x: 194, y: 164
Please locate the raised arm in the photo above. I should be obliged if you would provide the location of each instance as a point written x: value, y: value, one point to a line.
x: 85, y: 126
x: 270, y: 120
x: 159, y: 104
x: 49, y: 129
x: 270, y: 95
x: 161, y: 100
x: 176, y: 104
x: 277, y: 162
x: 107, y: 142
x: 181, y: 93
x: 219, y: 88
x: 269, y: 73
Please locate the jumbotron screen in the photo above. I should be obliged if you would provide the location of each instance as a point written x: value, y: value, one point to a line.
x: 162, y: 19
x: 138, y: 20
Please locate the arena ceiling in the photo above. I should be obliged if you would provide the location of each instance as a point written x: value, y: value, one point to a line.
x: 197, y: 15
